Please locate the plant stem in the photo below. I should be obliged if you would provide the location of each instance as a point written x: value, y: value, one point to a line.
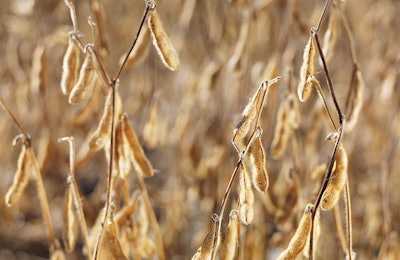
x: 322, y: 15
x: 321, y: 95
x: 148, y: 9
x: 339, y: 228
x: 110, y: 173
x: 152, y: 216
x: 27, y: 137
x: 328, y: 173
x: 348, y: 221
x: 75, y: 194
x: 43, y: 199
x: 314, y: 33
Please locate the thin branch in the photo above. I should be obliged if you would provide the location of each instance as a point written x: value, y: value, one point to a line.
x: 322, y: 15
x: 349, y: 232
x: 110, y: 174
x: 314, y: 33
x: 152, y: 216
x: 339, y: 227
x: 149, y: 7
x: 353, y: 55
x: 352, y: 84
x: 328, y: 174
x: 321, y: 95
x: 256, y: 132
x: 349, y: 34
x: 43, y: 199
x: 75, y: 193
x: 16, y: 122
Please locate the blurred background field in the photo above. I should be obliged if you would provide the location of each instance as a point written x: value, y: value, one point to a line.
x: 185, y: 119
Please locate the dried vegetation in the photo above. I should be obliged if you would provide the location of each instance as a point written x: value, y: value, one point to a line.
x: 145, y: 96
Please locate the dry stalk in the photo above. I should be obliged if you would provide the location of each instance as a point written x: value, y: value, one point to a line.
x: 339, y: 228
x: 254, y: 107
x: 328, y: 173
x: 350, y: 254
x: 97, y: 9
x: 75, y: 194
x: 152, y: 216
x: 53, y: 243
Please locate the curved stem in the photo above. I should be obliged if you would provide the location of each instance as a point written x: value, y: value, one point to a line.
x: 16, y: 122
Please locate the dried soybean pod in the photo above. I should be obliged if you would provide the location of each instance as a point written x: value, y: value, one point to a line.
x: 86, y: 75
x: 357, y: 102
x: 103, y: 131
x: 122, y: 152
x: 112, y: 240
x: 140, y: 48
x: 232, y: 236
x: 21, y: 178
x: 70, y: 67
x: 70, y: 225
x: 316, y: 236
x: 39, y: 77
x: 252, y: 111
x: 162, y: 42
x: 246, y: 197
x: 336, y: 181
x: 299, y: 239
x: 210, y: 246
x: 249, y: 114
x: 294, y: 116
x: 307, y: 69
x: 258, y: 172
x: 282, y: 132
x: 139, y: 159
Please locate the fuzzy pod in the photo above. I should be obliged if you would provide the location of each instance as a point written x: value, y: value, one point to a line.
x: 21, y: 178
x: 336, y: 181
x: 232, y: 236
x: 307, y: 69
x: 70, y: 65
x: 300, y: 237
x: 141, y: 162
x: 85, y: 81
x: 162, y: 42
x: 259, y: 173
